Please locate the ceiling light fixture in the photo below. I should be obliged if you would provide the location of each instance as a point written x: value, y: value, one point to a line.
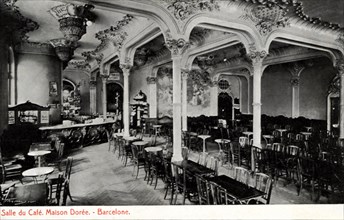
x: 73, y: 19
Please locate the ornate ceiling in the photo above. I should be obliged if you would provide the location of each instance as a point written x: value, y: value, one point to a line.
x: 111, y: 27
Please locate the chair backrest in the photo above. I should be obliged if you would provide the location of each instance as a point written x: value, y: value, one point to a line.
x: 219, y: 194
x: 243, y: 141
x: 69, y: 164
x: 168, y: 170
x: 56, y: 189
x: 241, y: 174
x: 59, y: 147
x: 179, y: 175
x: 276, y: 134
x: 292, y: 150
x: 278, y: 147
x: 202, y: 159
x: 263, y: 183
x: 203, y: 190
x: 135, y: 152
x: 213, y: 164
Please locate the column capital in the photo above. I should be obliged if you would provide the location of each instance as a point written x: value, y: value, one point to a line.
x: 151, y: 80
x: 93, y: 84
x: 296, y: 68
x: 256, y: 56
x: 104, y: 78
x: 125, y: 68
x: 295, y: 80
x: 185, y: 74
x: 177, y: 47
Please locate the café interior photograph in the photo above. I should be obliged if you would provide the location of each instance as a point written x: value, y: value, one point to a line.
x: 171, y: 102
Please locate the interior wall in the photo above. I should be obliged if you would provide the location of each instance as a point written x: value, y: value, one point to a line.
x: 83, y: 79
x: 314, y: 82
x: 276, y: 91
x: 3, y: 86
x: 35, y: 72
x: 99, y: 93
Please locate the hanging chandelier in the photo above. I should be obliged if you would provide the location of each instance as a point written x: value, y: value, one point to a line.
x: 64, y: 48
x: 73, y: 19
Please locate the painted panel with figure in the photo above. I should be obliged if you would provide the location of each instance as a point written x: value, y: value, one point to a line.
x: 165, y: 92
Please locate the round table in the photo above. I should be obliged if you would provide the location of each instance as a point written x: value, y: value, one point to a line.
x: 309, y: 128
x: 248, y: 133
x: 118, y: 134
x: 306, y: 134
x: 281, y: 131
x: 153, y: 149
x: 38, y: 171
x: 130, y: 138
x: 204, y: 137
x: 140, y: 144
x: 268, y: 138
x: 38, y: 154
x: 222, y: 141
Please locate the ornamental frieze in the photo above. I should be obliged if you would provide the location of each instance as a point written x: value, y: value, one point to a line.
x: 79, y: 64
x: 182, y: 9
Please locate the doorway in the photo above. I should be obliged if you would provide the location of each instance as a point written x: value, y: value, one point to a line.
x: 114, y: 98
x: 225, y: 106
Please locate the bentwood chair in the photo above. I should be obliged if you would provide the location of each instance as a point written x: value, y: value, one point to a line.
x: 202, y: 159
x: 263, y: 183
x: 169, y: 180
x: 219, y: 195
x: 203, y: 190
x: 55, y: 188
x: 138, y: 160
x: 241, y: 174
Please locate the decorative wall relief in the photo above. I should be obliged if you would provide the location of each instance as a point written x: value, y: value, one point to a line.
x: 267, y: 18
x: 165, y: 92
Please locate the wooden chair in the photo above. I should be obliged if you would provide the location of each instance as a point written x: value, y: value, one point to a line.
x: 169, y: 180
x: 203, y: 190
x: 138, y: 160
x: 213, y: 164
x: 185, y: 153
x: 263, y: 183
x: 157, y: 169
x: 182, y: 184
x: 111, y: 140
x: 219, y: 195
x: 307, y: 174
x: 241, y: 174
x: 235, y: 149
x: 55, y: 188
x: 10, y: 169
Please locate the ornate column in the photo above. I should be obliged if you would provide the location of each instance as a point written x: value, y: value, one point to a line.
x: 295, y: 71
x: 340, y: 68
x: 104, y: 95
x: 93, y: 97
x: 126, y: 122
x: 257, y: 58
x: 185, y: 74
x: 177, y: 48
x: 153, y: 106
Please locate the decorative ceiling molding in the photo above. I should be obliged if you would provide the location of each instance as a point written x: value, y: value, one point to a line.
x: 290, y: 8
x: 199, y: 35
x: 266, y: 18
x: 90, y: 55
x: 182, y: 9
x: 114, y: 34
x: 340, y: 39
x: 13, y: 25
x: 35, y: 48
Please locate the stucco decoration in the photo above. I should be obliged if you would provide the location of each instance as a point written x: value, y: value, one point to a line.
x: 151, y: 80
x: 114, y: 34
x: 256, y: 56
x: 267, y: 19
x: 334, y: 86
x: 177, y: 47
x: 64, y: 49
x: 340, y: 39
x: 182, y: 9
x: 13, y: 24
x: 90, y: 55
x: 165, y: 92
x: 80, y: 64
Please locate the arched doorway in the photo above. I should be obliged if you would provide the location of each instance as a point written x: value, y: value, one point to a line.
x: 225, y: 106
x: 114, y: 98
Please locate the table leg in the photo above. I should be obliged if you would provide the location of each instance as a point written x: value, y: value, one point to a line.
x: 39, y: 161
x: 204, y: 146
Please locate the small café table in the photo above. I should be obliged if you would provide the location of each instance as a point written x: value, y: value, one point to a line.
x: 236, y: 189
x: 268, y: 138
x: 38, y: 154
x: 33, y: 194
x: 248, y: 133
x: 38, y: 171
x: 306, y: 134
x: 118, y: 134
x: 221, y: 142
x: 153, y: 149
x: 204, y: 137
x: 281, y: 131
x: 309, y: 128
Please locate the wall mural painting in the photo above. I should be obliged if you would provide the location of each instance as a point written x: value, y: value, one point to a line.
x: 198, y: 93
x: 165, y: 92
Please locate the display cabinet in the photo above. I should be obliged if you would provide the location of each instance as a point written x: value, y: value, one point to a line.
x: 28, y: 113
